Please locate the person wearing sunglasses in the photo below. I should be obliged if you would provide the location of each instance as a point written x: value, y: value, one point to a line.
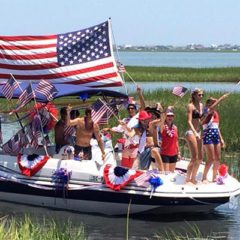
x: 169, y: 149
x: 193, y: 134
x: 129, y: 145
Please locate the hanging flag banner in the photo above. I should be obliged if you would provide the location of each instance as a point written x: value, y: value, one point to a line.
x: 81, y: 57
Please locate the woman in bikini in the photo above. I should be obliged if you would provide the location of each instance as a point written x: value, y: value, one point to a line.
x: 193, y: 134
x: 212, y: 138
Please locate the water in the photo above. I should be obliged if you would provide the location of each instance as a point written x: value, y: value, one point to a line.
x: 180, y: 59
x: 221, y: 222
x: 206, y: 86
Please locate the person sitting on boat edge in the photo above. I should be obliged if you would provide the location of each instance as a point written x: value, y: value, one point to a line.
x: 85, y: 129
x: 148, y: 153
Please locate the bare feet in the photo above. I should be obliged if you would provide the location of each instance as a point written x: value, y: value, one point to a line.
x: 205, y: 181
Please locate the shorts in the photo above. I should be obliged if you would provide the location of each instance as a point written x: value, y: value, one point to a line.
x: 87, y: 152
x: 190, y: 132
x: 169, y: 159
x: 211, y: 136
x: 145, y: 159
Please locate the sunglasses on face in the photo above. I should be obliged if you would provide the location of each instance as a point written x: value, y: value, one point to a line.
x: 200, y: 95
x: 131, y: 108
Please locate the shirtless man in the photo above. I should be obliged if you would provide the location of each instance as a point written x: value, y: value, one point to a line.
x: 85, y: 129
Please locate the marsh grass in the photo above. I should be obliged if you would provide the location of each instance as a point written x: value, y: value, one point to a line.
x: 175, y: 74
x: 25, y: 229
x: 190, y: 232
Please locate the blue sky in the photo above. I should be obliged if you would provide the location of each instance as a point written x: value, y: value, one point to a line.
x: 136, y: 22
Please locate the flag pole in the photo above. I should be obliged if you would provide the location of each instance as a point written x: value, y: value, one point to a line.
x: 131, y: 78
x: 111, y: 30
x: 35, y: 102
x: 109, y: 109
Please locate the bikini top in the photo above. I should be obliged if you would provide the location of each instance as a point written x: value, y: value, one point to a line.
x: 196, y: 114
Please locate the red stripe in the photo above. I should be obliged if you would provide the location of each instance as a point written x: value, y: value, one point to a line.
x: 29, y: 67
x: 27, y: 47
x: 27, y: 38
x: 28, y: 57
x: 115, y: 84
x: 67, y: 74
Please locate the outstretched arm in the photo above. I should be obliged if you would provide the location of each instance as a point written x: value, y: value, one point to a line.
x: 141, y: 98
x: 218, y: 101
x: 99, y: 139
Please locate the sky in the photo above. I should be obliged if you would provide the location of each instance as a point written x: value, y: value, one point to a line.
x: 135, y: 22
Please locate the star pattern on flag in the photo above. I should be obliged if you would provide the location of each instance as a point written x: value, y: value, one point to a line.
x: 83, y: 46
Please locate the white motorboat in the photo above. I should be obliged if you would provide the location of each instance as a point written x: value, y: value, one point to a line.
x: 86, y: 191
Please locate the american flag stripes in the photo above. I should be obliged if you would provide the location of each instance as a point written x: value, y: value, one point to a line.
x: 142, y: 180
x: 179, y: 91
x: 47, y: 89
x: 121, y: 68
x: 101, y: 112
x: 68, y: 131
x: 81, y: 57
x: 25, y: 97
x: 12, y: 146
x: 9, y: 87
x: 1, y: 137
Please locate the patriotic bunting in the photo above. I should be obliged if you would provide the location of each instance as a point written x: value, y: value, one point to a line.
x: 31, y: 164
x: 118, y: 177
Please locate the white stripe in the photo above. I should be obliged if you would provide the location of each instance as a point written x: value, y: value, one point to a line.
x: 27, y: 62
x: 29, y: 52
x: 59, y: 69
x: 31, y: 43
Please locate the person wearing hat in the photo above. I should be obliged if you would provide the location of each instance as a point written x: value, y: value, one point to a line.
x: 169, y: 148
x: 129, y: 144
x: 147, y: 152
x: 212, y: 138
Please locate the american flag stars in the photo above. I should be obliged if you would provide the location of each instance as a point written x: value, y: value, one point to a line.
x: 83, y: 46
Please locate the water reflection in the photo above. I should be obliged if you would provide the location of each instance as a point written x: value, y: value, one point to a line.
x: 220, y: 222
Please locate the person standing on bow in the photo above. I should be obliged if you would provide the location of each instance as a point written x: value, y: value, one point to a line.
x: 193, y: 134
x: 212, y: 138
x: 85, y: 129
x: 169, y: 149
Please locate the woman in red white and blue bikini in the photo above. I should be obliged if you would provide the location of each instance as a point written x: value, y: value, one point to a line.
x: 212, y: 138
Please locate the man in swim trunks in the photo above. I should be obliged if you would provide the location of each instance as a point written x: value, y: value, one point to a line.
x: 85, y: 129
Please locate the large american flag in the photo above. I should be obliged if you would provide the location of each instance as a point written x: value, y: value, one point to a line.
x: 81, y: 57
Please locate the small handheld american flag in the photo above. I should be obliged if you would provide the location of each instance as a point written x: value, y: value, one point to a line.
x: 179, y: 91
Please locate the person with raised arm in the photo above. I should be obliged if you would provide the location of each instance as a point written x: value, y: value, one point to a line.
x: 85, y: 130
x: 129, y: 144
x: 193, y: 134
x: 212, y: 138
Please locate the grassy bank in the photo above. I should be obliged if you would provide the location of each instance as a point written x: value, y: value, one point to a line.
x: 174, y: 74
x: 26, y: 228
x: 228, y: 111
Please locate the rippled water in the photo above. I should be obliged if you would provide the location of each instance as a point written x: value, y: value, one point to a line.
x: 223, y: 222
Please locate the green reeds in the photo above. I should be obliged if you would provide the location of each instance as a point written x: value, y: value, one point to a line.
x: 26, y: 228
x: 175, y: 74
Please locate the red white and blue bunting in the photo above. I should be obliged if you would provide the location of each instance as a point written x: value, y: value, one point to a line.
x: 118, y: 177
x: 31, y: 164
